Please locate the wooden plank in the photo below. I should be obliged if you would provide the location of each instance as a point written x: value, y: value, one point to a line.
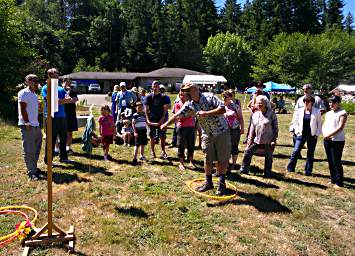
x: 26, y: 251
x: 71, y: 230
x: 49, y: 240
x: 71, y: 247
x: 41, y: 231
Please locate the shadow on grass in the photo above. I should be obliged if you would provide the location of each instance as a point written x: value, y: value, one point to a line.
x: 348, y: 182
x: 242, y: 179
x: 283, y: 156
x: 63, y: 247
x: 132, y: 211
x: 176, y: 159
x: 99, y: 157
x: 85, y: 168
x: 280, y: 177
x: 348, y: 163
x: 285, y: 145
x: 65, y: 178
x: 260, y: 201
x: 76, y: 140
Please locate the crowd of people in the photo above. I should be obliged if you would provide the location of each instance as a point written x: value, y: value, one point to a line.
x: 218, y: 125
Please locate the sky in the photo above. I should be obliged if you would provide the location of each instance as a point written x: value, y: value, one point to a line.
x: 349, y: 6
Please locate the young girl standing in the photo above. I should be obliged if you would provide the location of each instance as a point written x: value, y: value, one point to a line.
x: 107, y: 129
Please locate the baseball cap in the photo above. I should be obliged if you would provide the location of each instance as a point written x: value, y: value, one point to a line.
x: 161, y: 86
x: 122, y: 84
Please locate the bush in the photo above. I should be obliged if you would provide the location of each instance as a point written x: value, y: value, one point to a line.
x: 349, y: 107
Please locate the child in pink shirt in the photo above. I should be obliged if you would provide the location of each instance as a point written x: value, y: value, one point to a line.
x: 107, y: 129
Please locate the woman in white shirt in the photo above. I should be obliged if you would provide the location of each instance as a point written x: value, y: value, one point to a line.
x: 334, y: 139
x: 307, y: 124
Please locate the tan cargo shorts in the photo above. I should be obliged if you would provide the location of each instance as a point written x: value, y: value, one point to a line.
x: 216, y: 148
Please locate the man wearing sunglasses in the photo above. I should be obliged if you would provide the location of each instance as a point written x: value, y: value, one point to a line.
x: 28, y: 122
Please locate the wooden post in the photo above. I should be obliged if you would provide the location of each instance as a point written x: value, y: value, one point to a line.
x: 40, y: 238
x: 49, y: 157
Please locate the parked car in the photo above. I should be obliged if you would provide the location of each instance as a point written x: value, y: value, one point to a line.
x: 74, y: 85
x: 94, y: 88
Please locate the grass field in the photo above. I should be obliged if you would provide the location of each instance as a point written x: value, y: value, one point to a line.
x: 120, y: 209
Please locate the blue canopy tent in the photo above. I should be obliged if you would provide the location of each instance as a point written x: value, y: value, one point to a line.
x: 273, y: 87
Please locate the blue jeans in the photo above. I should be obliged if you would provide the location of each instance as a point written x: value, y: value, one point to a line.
x: 334, y: 151
x: 249, y: 152
x: 311, y: 147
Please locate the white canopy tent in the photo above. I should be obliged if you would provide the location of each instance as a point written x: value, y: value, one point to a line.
x: 204, y: 79
x: 345, y: 88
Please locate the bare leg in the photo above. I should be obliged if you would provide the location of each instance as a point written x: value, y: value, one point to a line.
x: 135, y: 152
x: 69, y: 138
x: 181, y: 164
x: 162, y: 144
x: 234, y: 159
x: 208, y: 168
x: 152, y: 145
x: 142, y: 150
x: 222, y: 167
x: 128, y: 138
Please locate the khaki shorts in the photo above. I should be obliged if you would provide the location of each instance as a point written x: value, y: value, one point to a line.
x: 216, y: 148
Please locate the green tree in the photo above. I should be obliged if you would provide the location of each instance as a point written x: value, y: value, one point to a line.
x: 305, y: 16
x: 322, y: 60
x: 229, y: 55
x: 336, y: 50
x: 287, y: 59
x: 334, y: 14
x: 138, y: 35
x: 348, y: 24
x: 16, y: 58
x: 230, y: 16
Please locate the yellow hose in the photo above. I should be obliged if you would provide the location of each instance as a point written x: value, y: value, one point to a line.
x: 220, y: 198
x: 16, y: 207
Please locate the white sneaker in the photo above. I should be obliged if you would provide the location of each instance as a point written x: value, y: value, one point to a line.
x: 163, y: 155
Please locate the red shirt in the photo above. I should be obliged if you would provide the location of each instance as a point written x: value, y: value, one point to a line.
x: 183, y: 121
x: 107, y: 125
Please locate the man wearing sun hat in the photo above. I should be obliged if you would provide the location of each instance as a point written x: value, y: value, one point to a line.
x: 28, y: 122
x: 216, y: 144
x: 125, y: 99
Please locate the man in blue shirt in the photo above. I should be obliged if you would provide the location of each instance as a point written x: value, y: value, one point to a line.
x: 59, y: 122
x: 125, y: 99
